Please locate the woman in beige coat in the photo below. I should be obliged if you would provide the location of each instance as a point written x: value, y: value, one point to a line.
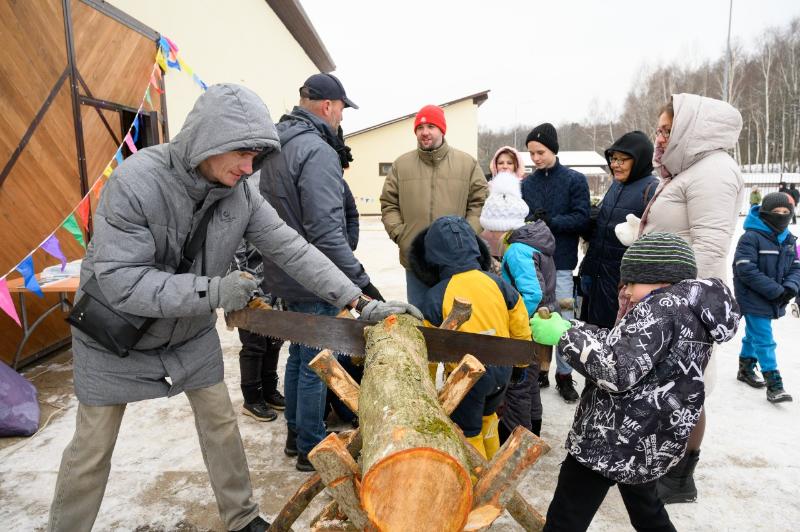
x: 699, y: 200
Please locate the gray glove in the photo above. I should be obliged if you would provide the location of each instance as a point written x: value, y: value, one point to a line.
x: 231, y: 292
x: 377, y: 310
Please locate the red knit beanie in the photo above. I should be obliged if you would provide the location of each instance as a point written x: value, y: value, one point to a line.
x: 431, y: 114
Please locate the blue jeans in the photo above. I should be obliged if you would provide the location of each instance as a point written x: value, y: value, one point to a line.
x: 564, y: 289
x: 305, y: 392
x: 758, y: 342
x: 415, y: 289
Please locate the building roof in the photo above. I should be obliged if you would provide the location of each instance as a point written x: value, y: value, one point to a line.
x: 574, y: 159
x: 478, y: 98
x: 296, y: 21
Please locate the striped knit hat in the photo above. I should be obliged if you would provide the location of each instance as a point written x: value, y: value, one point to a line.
x: 658, y: 258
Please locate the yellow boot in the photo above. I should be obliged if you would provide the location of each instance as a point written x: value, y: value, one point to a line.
x: 477, y: 442
x: 491, y: 436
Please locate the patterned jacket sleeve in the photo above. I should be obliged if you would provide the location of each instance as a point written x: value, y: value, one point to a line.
x: 616, y: 359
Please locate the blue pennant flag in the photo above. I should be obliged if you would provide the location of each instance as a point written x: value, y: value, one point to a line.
x: 136, y: 128
x: 26, y: 269
x: 118, y: 155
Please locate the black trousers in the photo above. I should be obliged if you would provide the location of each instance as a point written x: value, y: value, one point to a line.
x: 258, y: 364
x: 580, y: 491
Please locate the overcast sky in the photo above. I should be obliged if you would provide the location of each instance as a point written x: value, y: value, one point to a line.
x: 543, y: 61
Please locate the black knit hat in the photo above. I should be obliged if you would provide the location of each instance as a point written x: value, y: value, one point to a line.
x: 545, y: 134
x: 773, y: 200
x: 658, y: 258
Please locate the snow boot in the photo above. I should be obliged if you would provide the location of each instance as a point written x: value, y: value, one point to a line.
x: 290, y: 449
x: 566, y: 387
x: 477, y: 442
x: 259, y: 411
x: 275, y: 400
x: 544, y: 380
x: 256, y: 525
x: 678, y: 484
x: 491, y: 437
x: 775, y: 391
x: 303, y: 463
x: 747, y: 373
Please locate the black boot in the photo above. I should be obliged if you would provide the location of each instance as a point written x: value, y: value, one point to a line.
x: 566, y: 387
x: 775, y: 391
x: 678, y: 484
x: 544, y: 380
x: 290, y: 449
x: 256, y: 525
x: 747, y: 373
x: 303, y: 463
x: 259, y: 411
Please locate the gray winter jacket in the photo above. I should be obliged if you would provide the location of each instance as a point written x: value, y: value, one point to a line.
x: 305, y: 186
x: 146, y: 213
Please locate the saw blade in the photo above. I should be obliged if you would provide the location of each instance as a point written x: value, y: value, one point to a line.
x: 347, y: 336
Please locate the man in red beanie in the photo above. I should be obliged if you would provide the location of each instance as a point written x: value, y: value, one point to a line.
x: 432, y: 181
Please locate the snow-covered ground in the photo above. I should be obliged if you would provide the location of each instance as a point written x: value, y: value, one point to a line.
x: 746, y: 477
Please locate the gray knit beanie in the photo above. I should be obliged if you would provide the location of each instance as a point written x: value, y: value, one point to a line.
x: 658, y: 258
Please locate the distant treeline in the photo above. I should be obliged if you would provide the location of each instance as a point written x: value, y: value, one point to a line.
x: 763, y: 83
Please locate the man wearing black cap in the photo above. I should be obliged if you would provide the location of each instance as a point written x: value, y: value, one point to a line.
x: 306, y: 186
x: 559, y: 196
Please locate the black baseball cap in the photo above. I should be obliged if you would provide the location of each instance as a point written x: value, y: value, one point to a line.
x: 327, y: 87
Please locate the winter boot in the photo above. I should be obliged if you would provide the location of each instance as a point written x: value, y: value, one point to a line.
x: 259, y: 411
x: 290, y: 449
x: 491, y: 438
x: 747, y: 373
x: 544, y: 380
x: 477, y: 442
x: 566, y: 387
x: 275, y: 400
x: 303, y: 463
x: 678, y: 484
x: 256, y: 525
x: 775, y: 391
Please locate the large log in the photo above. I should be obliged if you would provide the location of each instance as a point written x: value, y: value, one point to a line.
x: 414, y: 463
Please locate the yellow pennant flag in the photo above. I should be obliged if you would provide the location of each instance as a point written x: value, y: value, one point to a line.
x: 107, y: 171
x: 161, y: 61
x: 186, y: 68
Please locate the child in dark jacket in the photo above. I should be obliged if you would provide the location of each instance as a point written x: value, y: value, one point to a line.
x: 644, y: 390
x: 766, y: 276
x: 451, y: 259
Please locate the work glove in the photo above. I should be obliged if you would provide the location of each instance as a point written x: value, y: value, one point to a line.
x: 231, y: 292
x: 628, y: 230
x: 518, y: 375
x: 372, y: 292
x: 377, y: 310
x: 541, y: 214
x: 548, y: 331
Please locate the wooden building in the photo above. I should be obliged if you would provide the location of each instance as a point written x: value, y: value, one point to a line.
x: 73, y: 74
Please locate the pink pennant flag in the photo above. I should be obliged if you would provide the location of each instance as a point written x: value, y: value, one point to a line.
x: 83, y: 212
x: 53, y: 247
x: 6, y: 303
x: 154, y: 82
x: 129, y: 142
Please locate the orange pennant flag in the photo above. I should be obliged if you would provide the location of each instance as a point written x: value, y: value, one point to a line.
x: 83, y: 212
x: 98, y: 186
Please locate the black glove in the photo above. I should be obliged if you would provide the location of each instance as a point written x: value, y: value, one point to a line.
x: 518, y: 375
x: 541, y: 214
x: 787, y: 296
x: 372, y: 292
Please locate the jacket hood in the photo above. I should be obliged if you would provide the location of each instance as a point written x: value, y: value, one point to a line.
x: 637, y: 145
x: 755, y: 223
x: 700, y: 127
x: 520, y: 164
x: 713, y: 304
x: 301, y: 121
x: 226, y: 117
x: 449, y: 246
x: 535, y: 234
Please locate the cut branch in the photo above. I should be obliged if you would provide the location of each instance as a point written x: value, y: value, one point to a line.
x: 336, y: 378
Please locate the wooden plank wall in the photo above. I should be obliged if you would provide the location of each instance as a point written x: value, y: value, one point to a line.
x: 44, y: 184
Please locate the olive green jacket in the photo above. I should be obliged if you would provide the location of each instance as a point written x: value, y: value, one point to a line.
x: 425, y: 185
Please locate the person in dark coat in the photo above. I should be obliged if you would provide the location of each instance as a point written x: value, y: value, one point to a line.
x: 795, y: 194
x: 560, y: 197
x: 631, y: 161
x: 766, y: 277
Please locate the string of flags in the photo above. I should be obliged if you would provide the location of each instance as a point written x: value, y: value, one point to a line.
x: 78, y: 219
x: 364, y: 199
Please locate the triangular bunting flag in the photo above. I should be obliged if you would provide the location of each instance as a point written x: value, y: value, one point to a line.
x: 160, y: 60
x: 98, y: 186
x: 26, y: 269
x: 118, y: 155
x: 135, y: 127
x: 53, y: 247
x: 186, y: 68
x: 107, y: 171
x: 6, y: 303
x: 147, y: 95
x: 154, y: 82
x: 71, y: 225
x: 83, y: 211
x: 129, y: 142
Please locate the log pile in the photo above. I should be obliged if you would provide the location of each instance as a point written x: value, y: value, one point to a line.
x: 415, y: 469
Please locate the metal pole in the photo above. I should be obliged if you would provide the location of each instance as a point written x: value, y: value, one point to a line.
x: 728, y: 58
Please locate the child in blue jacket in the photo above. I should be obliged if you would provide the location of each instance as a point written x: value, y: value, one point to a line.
x: 766, y: 276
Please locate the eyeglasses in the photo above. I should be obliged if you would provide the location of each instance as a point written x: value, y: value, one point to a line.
x: 663, y: 133
x: 618, y: 160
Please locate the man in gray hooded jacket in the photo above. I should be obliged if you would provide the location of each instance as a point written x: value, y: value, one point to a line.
x: 150, y: 207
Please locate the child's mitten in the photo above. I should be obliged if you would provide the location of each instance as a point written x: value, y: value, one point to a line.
x: 548, y: 331
x: 628, y: 230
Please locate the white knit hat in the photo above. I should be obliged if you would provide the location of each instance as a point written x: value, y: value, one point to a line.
x: 504, y: 208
